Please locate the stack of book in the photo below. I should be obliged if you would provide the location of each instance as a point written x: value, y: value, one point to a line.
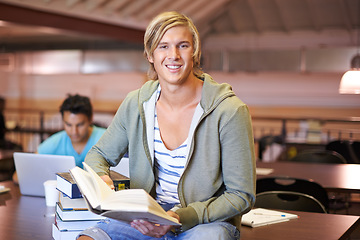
x: 71, y: 212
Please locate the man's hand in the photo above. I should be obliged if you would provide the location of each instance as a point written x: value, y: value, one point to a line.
x: 152, y: 229
x: 108, y: 181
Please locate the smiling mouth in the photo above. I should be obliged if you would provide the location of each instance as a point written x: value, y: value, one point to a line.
x: 173, y: 67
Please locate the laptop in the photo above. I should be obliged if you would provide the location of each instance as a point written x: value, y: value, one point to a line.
x: 34, y: 169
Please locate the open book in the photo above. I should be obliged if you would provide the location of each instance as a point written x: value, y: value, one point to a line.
x: 260, y: 216
x: 125, y: 205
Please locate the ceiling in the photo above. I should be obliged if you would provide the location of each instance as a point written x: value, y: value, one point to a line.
x: 50, y: 24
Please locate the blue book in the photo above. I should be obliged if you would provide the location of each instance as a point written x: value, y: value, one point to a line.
x: 67, y: 185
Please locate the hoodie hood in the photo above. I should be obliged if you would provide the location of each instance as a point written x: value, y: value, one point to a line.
x: 213, y: 93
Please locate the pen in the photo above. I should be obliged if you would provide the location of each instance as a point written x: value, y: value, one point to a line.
x: 276, y: 215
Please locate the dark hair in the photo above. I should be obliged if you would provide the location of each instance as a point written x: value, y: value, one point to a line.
x: 77, y: 104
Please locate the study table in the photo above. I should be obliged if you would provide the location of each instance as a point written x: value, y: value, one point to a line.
x: 24, y: 217
x: 317, y: 226
x: 333, y: 177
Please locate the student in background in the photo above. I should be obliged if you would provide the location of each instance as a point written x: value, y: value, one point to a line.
x: 78, y: 136
x: 189, y: 140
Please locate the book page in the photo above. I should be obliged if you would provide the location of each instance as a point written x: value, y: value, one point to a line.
x: 102, y: 189
x: 86, y: 185
x: 138, y: 198
x: 125, y: 205
x: 136, y: 204
x: 147, y: 216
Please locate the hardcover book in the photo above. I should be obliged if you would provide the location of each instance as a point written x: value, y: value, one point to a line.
x: 120, y: 181
x: 73, y: 225
x: 76, y: 215
x: 58, y: 234
x: 67, y: 203
x: 66, y: 185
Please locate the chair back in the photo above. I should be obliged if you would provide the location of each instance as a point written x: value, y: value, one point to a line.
x: 309, y: 187
x: 344, y: 148
x: 318, y: 156
x: 286, y: 200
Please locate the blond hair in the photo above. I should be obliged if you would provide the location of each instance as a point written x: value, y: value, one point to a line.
x: 156, y: 30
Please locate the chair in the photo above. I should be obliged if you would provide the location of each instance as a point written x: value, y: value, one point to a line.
x: 336, y: 201
x: 304, y: 186
x: 318, y: 156
x: 344, y: 148
x: 286, y: 200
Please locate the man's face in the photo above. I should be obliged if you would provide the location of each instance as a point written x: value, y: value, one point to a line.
x: 77, y: 126
x: 172, y: 58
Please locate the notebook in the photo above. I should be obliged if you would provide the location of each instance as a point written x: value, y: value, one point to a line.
x: 34, y: 169
x: 260, y: 216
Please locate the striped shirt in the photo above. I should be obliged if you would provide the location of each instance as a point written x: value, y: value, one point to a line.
x: 169, y: 166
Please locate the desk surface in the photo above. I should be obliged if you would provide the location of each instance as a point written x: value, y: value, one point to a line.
x: 333, y: 177
x: 307, y: 226
x: 25, y: 217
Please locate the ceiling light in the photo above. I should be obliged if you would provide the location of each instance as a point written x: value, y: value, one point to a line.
x: 350, y: 82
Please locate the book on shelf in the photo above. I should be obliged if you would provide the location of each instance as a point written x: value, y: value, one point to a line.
x: 58, y: 234
x: 260, y: 216
x: 76, y: 215
x: 67, y: 185
x: 124, y: 205
x: 73, y: 225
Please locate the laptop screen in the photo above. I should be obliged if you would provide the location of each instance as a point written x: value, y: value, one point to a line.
x: 34, y: 169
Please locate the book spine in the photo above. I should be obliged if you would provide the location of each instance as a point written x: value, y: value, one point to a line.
x: 75, y: 193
